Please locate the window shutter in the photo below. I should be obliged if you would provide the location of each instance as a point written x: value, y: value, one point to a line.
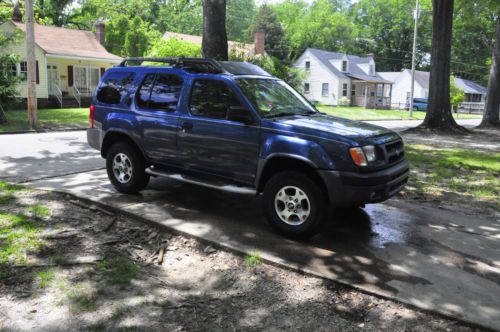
x: 37, y: 73
x: 70, y: 75
x: 102, y: 71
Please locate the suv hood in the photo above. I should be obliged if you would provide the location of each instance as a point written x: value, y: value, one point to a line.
x: 330, y: 124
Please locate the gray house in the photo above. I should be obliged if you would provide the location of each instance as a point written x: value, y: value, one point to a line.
x: 338, y: 78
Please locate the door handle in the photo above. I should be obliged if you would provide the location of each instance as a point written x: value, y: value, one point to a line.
x: 186, y: 125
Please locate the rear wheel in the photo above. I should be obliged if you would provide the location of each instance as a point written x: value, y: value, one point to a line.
x: 126, y: 168
x: 415, y: 108
x: 295, y: 205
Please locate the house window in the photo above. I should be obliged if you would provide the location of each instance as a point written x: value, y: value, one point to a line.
x: 344, y: 89
x: 344, y: 65
x: 372, y: 70
x: 308, y: 65
x: 380, y: 90
x: 23, y: 70
x: 306, y: 88
x: 408, y: 95
x: 324, y: 89
x: 353, y: 90
x: 13, y: 69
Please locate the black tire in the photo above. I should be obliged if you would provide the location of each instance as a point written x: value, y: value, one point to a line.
x: 415, y: 108
x: 318, y: 206
x: 138, y: 179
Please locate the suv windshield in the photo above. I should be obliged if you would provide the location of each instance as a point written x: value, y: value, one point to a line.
x: 274, y: 98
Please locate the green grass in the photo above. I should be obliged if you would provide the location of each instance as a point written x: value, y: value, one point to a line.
x: 38, y: 211
x: 45, y: 277
x: 253, y: 259
x: 473, y: 176
x: 19, y: 236
x: 119, y: 270
x: 7, y: 192
x: 360, y: 113
x: 57, y: 117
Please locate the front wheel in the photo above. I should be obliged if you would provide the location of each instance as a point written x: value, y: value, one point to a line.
x: 126, y: 168
x: 295, y: 205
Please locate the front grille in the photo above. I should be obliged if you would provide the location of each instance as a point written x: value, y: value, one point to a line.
x: 394, y: 151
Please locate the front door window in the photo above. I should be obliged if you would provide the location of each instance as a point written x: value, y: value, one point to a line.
x: 53, y: 79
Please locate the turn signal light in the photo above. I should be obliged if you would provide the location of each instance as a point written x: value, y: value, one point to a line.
x: 358, y: 156
x: 91, y: 115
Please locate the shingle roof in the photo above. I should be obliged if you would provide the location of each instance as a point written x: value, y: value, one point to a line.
x: 470, y: 87
x: 68, y: 42
x: 422, y: 78
x: 354, y: 71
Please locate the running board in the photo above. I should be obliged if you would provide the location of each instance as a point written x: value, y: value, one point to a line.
x: 226, y: 187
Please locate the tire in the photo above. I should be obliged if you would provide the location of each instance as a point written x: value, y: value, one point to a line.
x: 415, y: 108
x: 304, y: 191
x: 134, y: 177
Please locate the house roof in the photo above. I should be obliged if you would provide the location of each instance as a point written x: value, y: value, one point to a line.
x: 235, y: 46
x: 68, y: 42
x: 422, y: 78
x: 354, y: 71
x: 470, y: 87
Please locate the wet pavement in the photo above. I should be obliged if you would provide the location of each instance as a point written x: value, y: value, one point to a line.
x: 431, y: 258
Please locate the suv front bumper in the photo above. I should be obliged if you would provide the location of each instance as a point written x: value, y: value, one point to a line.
x: 347, y: 189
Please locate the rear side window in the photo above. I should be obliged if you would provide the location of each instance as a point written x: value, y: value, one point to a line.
x: 166, y: 92
x: 160, y: 92
x: 211, y: 99
x: 145, y: 91
x: 114, y: 87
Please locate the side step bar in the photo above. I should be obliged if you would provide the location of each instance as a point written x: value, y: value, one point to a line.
x: 223, y: 187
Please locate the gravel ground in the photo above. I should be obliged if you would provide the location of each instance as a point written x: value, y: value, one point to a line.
x: 97, y: 271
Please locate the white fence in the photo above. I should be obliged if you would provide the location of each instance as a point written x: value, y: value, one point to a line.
x: 465, y: 107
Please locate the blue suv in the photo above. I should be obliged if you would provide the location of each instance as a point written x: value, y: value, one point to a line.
x: 232, y: 126
x: 419, y: 104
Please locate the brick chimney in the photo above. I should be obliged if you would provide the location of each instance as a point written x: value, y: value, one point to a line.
x: 100, y: 29
x: 259, y: 41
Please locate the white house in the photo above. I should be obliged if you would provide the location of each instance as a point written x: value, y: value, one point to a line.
x: 69, y: 63
x: 401, y: 87
x: 337, y: 78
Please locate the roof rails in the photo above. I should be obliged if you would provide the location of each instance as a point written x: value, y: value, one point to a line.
x: 199, y: 65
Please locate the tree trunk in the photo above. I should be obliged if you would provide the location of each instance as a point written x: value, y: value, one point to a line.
x: 214, y: 42
x: 439, y: 116
x: 492, y: 107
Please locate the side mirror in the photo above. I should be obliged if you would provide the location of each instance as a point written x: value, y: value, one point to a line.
x: 239, y: 114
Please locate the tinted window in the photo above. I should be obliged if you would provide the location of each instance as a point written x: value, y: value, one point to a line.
x: 114, y: 86
x: 211, y: 99
x: 145, y: 91
x: 166, y: 92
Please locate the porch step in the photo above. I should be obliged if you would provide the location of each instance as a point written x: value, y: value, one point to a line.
x: 70, y: 102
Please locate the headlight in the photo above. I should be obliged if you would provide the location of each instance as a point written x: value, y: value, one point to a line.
x: 362, y: 156
x: 370, y: 153
x: 358, y: 156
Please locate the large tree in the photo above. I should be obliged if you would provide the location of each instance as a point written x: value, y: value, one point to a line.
x: 214, y: 43
x: 439, y: 116
x: 267, y: 20
x: 492, y: 107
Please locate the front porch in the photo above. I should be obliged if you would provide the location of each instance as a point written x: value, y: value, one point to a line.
x: 72, y: 81
x: 372, y: 95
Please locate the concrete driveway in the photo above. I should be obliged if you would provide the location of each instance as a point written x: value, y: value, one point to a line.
x: 430, y: 258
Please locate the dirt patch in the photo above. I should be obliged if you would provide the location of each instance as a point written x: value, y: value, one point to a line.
x: 94, y: 270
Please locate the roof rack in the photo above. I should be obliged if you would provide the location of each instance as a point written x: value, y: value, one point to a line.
x: 200, y: 65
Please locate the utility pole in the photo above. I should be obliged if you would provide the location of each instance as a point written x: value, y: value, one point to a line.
x: 415, y: 17
x: 31, y: 63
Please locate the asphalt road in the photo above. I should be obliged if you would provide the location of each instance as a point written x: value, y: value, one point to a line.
x: 431, y: 258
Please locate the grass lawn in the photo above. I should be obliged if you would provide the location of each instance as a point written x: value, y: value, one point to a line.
x: 454, y: 175
x: 48, y: 119
x: 360, y: 113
